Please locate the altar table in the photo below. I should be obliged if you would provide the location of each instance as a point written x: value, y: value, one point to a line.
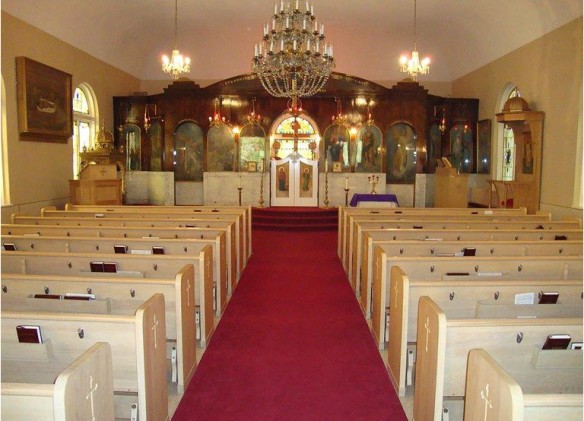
x: 374, y: 200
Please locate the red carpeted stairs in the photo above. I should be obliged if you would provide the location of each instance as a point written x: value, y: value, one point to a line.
x: 295, y: 218
x: 292, y: 343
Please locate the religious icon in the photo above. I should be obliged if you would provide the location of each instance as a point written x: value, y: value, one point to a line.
x: 368, y: 150
x: 528, y: 158
x: 401, y: 153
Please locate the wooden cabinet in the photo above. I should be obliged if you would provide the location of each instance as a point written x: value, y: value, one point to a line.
x: 451, y: 188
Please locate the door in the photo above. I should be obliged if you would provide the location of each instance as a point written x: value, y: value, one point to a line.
x: 294, y: 182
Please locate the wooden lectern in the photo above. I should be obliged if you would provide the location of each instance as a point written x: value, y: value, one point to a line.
x: 451, y: 188
x: 97, y: 185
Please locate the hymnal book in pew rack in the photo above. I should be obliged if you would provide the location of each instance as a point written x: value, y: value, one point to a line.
x: 9, y: 247
x: 557, y: 341
x: 548, y: 297
x: 29, y: 334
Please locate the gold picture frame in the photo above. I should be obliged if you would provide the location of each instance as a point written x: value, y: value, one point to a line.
x: 45, y: 102
x: 337, y: 167
x: 252, y: 166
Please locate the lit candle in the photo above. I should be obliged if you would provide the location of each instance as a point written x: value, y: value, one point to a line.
x: 304, y: 24
x: 281, y: 5
x: 296, y: 4
x: 275, y: 9
x: 294, y: 45
x: 322, y: 28
x: 307, y: 8
x: 255, y: 50
x: 326, y: 165
x: 346, y: 183
x: 312, y: 10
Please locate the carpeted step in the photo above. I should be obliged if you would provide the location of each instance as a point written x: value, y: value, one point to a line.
x: 295, y: 218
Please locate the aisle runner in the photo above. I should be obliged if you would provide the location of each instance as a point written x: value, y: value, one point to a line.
x: 292, y: 344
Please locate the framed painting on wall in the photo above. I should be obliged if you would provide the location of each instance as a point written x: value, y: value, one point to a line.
x: 45, y: 102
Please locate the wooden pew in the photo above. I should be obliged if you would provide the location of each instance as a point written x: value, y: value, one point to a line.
x: 433, y: 215
x: 128, y: 265
x: 459, y: 298
x: 437, y: 238
x: 345, y: 212
x: 137, y: 341
x: 442, y: 268
x: 227, y: 283
x: 168, y: 209
x: 242, y: 215
x: 179, y: 306
x: 230, y: 226
x: 412, y: 248
x: 355, y: 241
x: 443, y: 345
x: 492, y: 393
x: 36, y: 387
x: 183, y: 247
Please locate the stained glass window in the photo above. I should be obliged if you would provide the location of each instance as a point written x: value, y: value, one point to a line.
x: 285, y: 126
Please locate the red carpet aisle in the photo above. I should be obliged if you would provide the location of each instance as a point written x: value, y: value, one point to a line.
x: 292, y: 344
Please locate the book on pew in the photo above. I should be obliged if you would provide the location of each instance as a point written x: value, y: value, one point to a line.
x: 157, y: 250
x: 576, y: 345
x: 9, y: 247
x: 525, y: 298
x: 557, y: 341
x: 560, y: 238
x: 29, y: 334
x: 110, y: 267
x: 548, y: 297
x: 469, y: 251
x: 78, y: 296
x: 120, y: 249
x: 99, y: 215
x: 48, y: 296
x: 96, y: 266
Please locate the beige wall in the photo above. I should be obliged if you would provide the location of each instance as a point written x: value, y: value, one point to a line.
x: 548, y: 72
x: 39, y: 171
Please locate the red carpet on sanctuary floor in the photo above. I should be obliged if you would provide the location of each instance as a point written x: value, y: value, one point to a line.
x: 292, y: 343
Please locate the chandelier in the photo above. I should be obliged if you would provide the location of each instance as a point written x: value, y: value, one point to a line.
x: 177, y: 63
x: 293, y: 60
x: 413, y: 66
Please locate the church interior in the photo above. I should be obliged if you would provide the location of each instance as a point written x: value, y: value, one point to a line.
x: 442, y: 177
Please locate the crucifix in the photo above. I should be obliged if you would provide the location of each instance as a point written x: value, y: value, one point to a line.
x: 92, y: 388
x: 488, y: 403
x: 154, y: 328
x: 427, y: 327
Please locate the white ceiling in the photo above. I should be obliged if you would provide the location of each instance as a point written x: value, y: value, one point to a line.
x: 368, y: 35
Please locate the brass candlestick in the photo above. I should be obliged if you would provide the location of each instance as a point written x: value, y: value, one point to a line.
x: 326, y: 201
x: 261, y: 201
x: 373, y: 180
x: 346, y: 197
x: 240, y: 189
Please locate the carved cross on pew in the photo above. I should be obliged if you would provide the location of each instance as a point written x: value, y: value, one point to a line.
x: 188, y: 289
x: 154, y: 328
x: 427, y: 328
x: 103, y: 171
x: 485, y: 397
x: 92, y: 388
x: 396, y: 291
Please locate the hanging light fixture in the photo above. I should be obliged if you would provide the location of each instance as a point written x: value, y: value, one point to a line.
x: 177, y: 63
x: 412, y: 65
x: 293, y: 59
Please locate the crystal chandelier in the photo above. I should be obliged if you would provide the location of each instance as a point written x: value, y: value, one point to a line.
x: 177, y: 63
x: 413, y: 66
x: 293, y: 60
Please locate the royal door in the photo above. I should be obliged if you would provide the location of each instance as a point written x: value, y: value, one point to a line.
x: 294, y: 182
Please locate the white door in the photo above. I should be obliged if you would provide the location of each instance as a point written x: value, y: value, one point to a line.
x: 294, y: 182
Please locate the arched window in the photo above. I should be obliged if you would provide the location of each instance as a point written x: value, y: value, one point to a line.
x: 506, y: 140
x: 282, y: 137
x: 84, y: 123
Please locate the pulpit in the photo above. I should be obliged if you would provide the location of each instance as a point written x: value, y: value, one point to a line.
x: 451, y: 188
x: 97, y: 185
